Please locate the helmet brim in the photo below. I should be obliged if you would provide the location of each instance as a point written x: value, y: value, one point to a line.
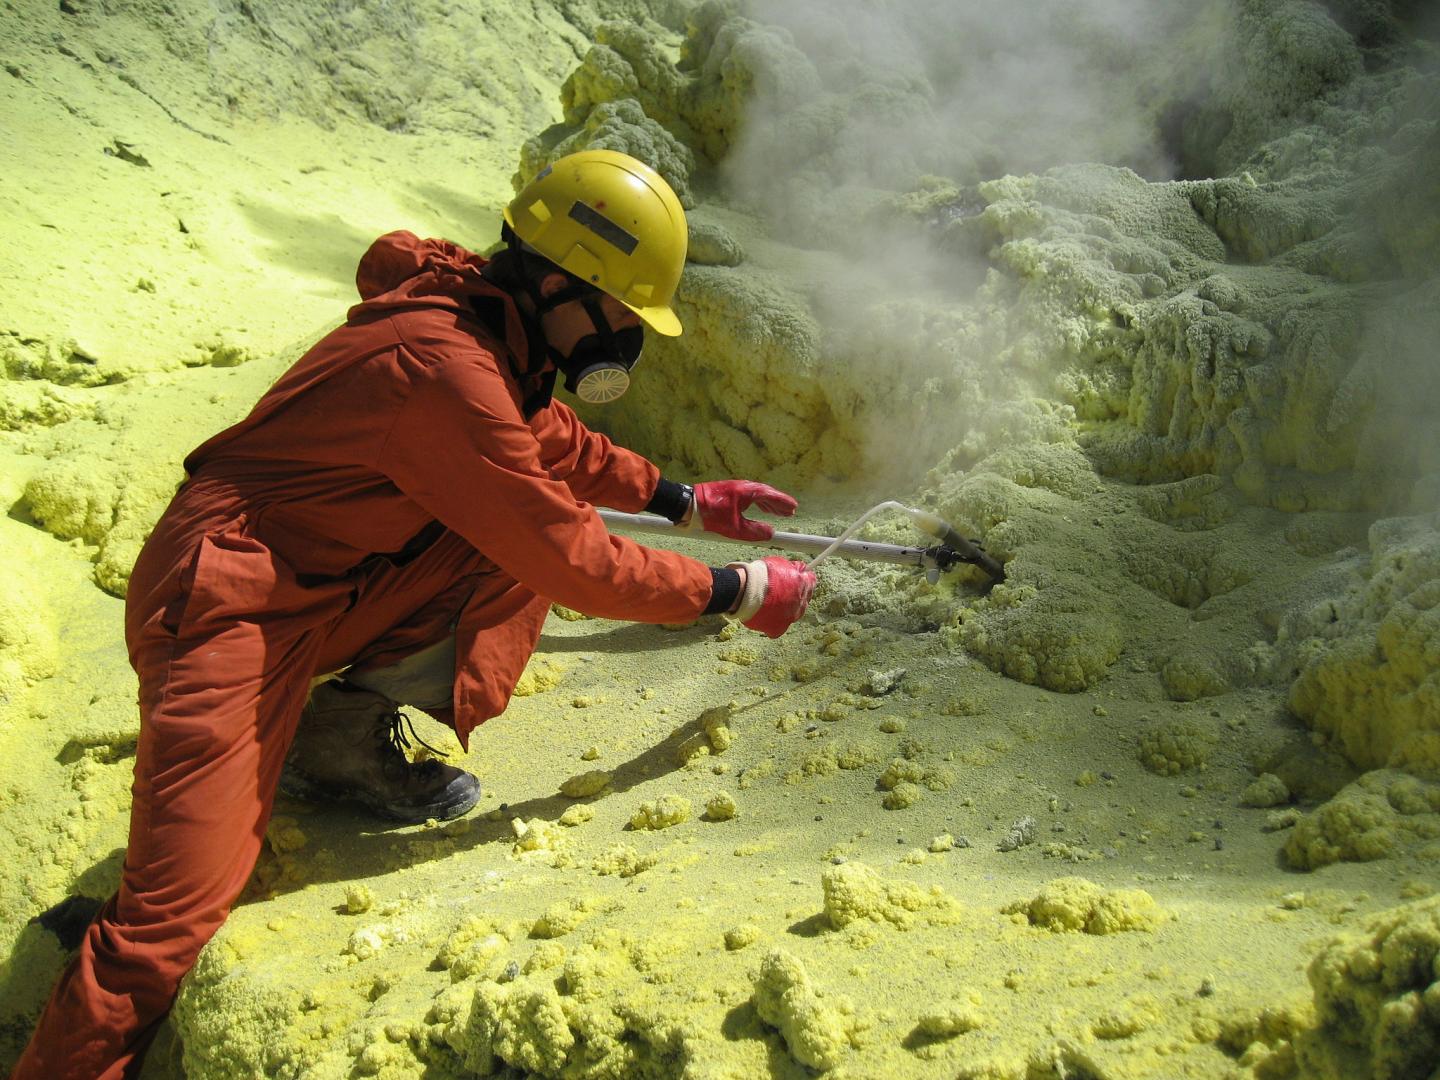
x: 660, y: 319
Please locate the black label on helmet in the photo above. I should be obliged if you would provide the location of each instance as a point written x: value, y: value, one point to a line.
x: 604, y: 228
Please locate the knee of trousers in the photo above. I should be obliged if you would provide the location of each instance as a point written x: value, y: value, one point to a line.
x: 144, y: 962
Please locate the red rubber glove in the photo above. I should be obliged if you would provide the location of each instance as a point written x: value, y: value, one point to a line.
x: 777, y: 592
x: 720, y: 506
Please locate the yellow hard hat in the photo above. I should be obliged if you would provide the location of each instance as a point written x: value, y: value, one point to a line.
x: 613, y: 222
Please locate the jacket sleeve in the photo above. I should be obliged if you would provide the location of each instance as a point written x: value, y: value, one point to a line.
x: 596, y: 470
x: 460, y: 448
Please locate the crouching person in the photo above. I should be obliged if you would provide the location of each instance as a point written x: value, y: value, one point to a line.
x: 400, y: 508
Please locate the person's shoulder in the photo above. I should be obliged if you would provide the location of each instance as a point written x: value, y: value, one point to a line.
x: 455, y: 363
x: 446, y: 334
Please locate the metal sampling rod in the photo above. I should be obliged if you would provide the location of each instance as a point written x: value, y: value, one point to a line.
x: 932, y: 558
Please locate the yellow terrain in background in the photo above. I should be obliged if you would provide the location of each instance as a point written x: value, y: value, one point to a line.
x: 1147, y: 303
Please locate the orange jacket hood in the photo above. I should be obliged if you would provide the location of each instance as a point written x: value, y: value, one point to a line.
x: 400, y: 270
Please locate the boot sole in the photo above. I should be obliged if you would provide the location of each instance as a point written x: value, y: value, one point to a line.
x: 451, y: 804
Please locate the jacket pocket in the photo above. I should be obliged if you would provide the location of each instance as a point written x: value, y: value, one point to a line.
x: 232, y: 577
x: 236, y: 579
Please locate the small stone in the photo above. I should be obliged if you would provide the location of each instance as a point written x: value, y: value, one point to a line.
x: 358, y: 899
x: 1021, y: 833
x: 881, y: 683
x: 721, y: 806
x: 585, y: 785
x: 576, y: 815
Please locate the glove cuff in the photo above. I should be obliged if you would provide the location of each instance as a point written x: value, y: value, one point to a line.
x: 724, y: 590
x: 672, y: 500
x: 757, y: 583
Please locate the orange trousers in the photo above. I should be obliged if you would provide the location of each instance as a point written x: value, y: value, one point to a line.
x: 218, y: 708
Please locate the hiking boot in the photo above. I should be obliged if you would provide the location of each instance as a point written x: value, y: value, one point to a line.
x: 350, y: 747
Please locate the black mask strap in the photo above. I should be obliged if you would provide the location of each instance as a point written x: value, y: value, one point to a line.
x: 542, y: 396
x: 601, y: 322
x: 610, y: 347
x: 518, y: 279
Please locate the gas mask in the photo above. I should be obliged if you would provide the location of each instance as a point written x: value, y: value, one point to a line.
x: 598, y: 368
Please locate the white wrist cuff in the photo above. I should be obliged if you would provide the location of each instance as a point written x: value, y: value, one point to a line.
x: 691, y: 521
x: 757, y: 583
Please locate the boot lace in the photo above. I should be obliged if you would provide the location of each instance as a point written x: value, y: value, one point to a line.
x: 396, y: 733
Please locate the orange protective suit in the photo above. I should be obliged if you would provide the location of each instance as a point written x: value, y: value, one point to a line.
x: 388, y: 489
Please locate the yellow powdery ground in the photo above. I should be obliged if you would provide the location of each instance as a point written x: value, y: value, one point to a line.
x: 1045, y: 902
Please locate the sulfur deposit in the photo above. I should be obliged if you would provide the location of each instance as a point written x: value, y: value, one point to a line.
x: 1074, y: 903
x: 1383, y: 813
x: 854, y: 892
x: 661, y: 813
x: 1176, y: 747
x: 1143, y: 298
x: 1369, y: 670
x: 817, y: 1031
x: 1375, y: 999
x: 1372, y: 1012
